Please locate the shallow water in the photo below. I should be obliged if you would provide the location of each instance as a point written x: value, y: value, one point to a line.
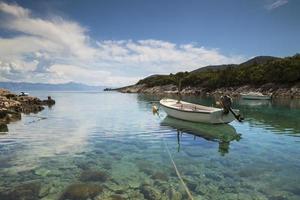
x: 113, y: 140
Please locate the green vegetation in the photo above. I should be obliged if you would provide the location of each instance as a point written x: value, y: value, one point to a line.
x: 281, y: 71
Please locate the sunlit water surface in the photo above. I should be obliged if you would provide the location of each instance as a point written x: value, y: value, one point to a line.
x: 114, y: 141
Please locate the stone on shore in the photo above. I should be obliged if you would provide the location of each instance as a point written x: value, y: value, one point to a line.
x: 12, y: 105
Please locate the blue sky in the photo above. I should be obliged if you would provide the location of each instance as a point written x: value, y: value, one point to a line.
x: 118, y: 42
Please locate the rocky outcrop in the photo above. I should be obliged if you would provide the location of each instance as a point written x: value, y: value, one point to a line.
x: 12, y: 105
x: 277, y: 91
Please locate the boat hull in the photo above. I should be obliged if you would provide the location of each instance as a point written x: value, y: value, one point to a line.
x: 255, y: 97
x: 216, y: 117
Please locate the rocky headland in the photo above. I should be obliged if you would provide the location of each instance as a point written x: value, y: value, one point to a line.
x: 275, y: 90
x: 13, y: 105
x: 278, y: 77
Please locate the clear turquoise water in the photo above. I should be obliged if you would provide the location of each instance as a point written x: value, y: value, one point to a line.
x: 117, y: 135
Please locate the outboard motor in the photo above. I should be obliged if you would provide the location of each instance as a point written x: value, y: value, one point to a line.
x: 226, y: 103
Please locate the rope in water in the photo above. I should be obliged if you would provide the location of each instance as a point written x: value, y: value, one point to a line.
x: 155, y: 110
x: 177, y: 172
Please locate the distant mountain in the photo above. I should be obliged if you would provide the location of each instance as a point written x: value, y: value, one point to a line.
x: 71, y: 86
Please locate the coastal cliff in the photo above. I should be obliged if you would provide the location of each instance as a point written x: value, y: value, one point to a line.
x: 12, y: 105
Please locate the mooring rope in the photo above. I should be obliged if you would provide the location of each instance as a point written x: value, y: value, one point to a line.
x: 155, y: 110
x: 177, y: 172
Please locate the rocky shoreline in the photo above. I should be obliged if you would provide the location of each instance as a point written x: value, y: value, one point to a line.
x: 13, y: 105
x: 275, y: 90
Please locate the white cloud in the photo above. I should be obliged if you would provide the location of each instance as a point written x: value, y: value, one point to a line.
x: 14, y: 10
x: 276, y: 4
x: 80, y: 74
x: 57, y: 50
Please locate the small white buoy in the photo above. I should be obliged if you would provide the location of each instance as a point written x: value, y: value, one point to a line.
x: 154, y: 109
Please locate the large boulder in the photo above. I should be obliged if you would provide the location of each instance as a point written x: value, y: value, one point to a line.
x: 81, y: 191
x: 26, y: 191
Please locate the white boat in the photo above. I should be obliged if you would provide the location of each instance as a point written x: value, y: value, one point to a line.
x: 23, y: 94
x: 196, y: 113
x: 255, y: 95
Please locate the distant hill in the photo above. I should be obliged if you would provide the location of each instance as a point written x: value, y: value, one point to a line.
x: 256, y: 71
x: 253, y: 61
x: 213, y: 67
x: 71, y: 86
x: 258, y: 60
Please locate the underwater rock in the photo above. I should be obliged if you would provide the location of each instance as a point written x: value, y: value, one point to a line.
x: 280, y: 195
x: 244, y: 196
x: 93, y: 175
x: 116, y: 197
x: 26, y: 191
x: 229, y: 196
x: 249, y: 172
x: 85, y: 164
x: 134, y: 194
x: 205, y: 189
x: 107, y: 165
x: 81, y: 191
x: 44, y: 191
x: 149, y: 192
x: 42, y: 172
x: 145, y: 167
x: 160, y: 176
x: 172, y: 194
x: 192, y: 185
x: 134, y: 183
x: 117, y: 188
x: 3, y: 129
x: 213, y: 176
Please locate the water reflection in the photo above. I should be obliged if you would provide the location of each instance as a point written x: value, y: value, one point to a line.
x: 290, y: 103
x: 247, y: 102
x: 273, y: 117
x: 222, y: 133
x: 87, y: 132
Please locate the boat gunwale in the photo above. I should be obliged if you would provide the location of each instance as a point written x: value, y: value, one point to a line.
x: 256, y: 94
x: 249, y: 97
x: 190, y: 111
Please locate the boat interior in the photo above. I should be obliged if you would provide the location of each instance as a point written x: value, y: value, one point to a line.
x: 192, y: 107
